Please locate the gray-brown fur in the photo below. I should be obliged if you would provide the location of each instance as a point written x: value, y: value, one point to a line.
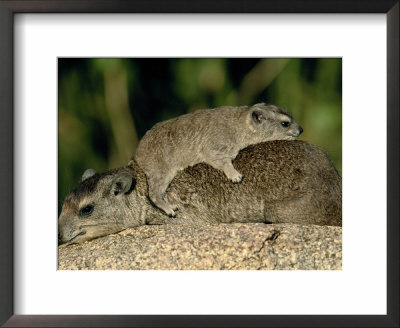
x: 284, y: 182
x: 212, y: 136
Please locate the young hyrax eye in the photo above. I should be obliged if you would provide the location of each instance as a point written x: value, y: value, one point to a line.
x: 87, y: 210
x: 285, y: 124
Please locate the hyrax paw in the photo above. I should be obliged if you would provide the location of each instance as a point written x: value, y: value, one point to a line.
x: 171, y: 213
x: 170, y: 210
x: 236, y: 178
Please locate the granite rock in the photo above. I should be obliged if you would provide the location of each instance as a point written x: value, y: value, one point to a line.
x: 210, y: 247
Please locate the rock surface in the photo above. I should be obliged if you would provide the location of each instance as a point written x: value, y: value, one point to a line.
x: 210, y: 247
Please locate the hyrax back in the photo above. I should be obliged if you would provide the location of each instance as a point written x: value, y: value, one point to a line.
x: 284, y: 182
x: 212, y: 136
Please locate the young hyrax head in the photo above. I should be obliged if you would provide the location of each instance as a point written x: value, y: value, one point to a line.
x: 274, y: 122
x: 96, y: 207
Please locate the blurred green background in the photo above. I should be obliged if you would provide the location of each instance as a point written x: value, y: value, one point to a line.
x: 105, y: 105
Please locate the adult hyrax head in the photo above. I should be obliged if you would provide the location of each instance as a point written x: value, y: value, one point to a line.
x: 284, y: 182
x: 101, y: 204
x: 212, y: 136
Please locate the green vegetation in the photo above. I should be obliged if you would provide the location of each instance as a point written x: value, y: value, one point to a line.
x: 106, y: 105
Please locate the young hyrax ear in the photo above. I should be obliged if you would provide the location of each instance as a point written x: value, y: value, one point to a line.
x: 88, y: 173
x: 122, y: 183
x: 258, y: 116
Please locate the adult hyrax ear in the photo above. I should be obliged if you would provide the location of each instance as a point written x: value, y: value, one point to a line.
x: 122, y: 183
x: 258, y: 116
x: 88, y: 173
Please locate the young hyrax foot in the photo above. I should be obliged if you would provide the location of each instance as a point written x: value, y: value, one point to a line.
x: 226, y: 166
x: 234, y: 176
x: 169, y: 209
x: 158, y: 185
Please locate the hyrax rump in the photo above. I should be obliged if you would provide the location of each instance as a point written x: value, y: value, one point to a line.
x: 284, y: 182
x: 212, y: 136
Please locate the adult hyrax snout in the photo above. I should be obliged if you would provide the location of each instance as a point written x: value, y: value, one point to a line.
x: 212, y: 136
x: 284, y: 182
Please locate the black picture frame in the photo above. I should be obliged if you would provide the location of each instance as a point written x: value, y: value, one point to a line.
x: 11, y: 7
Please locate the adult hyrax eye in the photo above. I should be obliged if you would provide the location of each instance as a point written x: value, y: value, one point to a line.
x: 285, y: 124
x: 87, y: 210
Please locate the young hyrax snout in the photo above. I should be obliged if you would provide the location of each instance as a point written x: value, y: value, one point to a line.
x: 212, y: 136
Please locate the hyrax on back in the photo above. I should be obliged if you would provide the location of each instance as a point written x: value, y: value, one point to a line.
x: 212, y: 136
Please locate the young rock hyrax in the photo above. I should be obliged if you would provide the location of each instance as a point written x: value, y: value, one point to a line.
x: 212, y: 136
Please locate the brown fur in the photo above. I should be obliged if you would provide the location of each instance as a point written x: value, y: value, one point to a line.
x: 284, y: 182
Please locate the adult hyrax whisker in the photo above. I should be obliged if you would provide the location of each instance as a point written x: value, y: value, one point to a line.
x: 94, y: 225
x: 79, y: 234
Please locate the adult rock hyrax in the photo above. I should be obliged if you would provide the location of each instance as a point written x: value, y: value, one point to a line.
x: 285, y: 182
x: 212, y: 136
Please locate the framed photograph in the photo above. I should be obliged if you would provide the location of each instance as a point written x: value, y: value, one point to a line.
x: 206, y: 98
x: 76, y: 76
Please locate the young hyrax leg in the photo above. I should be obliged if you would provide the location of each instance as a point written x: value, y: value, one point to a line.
x: 157, y: 188
x: 226, y: 166
x: 158, y: 184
